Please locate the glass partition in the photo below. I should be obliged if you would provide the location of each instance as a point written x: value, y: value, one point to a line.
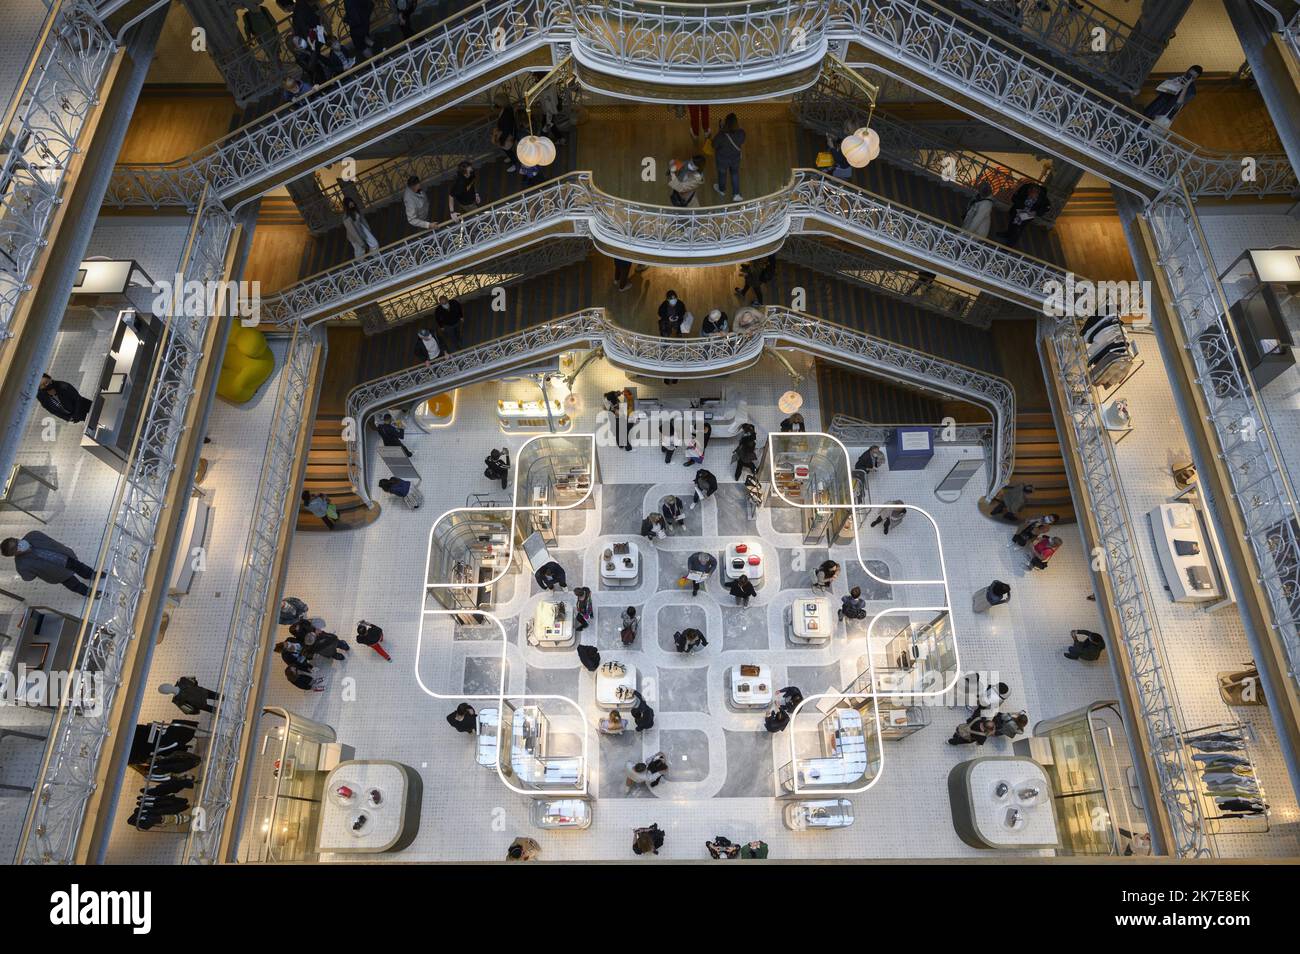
x: 288, y: 784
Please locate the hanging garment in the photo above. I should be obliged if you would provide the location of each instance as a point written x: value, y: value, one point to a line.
x: 1248, y: 806
x: 1209, y: 760
x: 1106, y: 337
x: 1214, y: 744
x: 1095, y: 324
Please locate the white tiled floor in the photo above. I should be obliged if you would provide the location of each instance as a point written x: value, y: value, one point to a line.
x: 376, y: 574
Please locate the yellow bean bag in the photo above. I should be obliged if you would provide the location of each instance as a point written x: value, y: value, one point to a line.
x: 247, y: 364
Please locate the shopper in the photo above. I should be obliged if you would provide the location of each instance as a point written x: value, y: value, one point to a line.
x: 671, y: 312
x: 291, y: 653
x: 684, y: 181
x: 317, y: 642
x: 891, y: 515
x: 62, y: 400
x: 584, y: 611
x: 706, y: 485
x: 1009, y: 726
x: 793, y: 424
x: 523, y: 849
x: 496, y: 466
x: 505, y: 134
x: 1029, y: 202
x: 853, y: 606
x: 686, y: 641
x: 989, y: 699
x: 427, y: 348
x: 1171, y: 96
x: 191, y: 698
x: 1044, y: 549
x: 612, y: 724
x: 873, y: 458
x: 1032, y: 527
x: 292, y: 609
x: 653, y: 527
x: 38, y: 557
x: 622, y: 274
x: 789, y: 698
x: 776, y: 719
x: 642, y: 714
x: 699, y: 567
x: 464, y: 718
x: 753, y: 495
x: 673, y: 511
x: 1011, y: 501
x: 715, y: 322
x: 636, y: 773
x: 628, y: 626
x: 978, y: 219
x: 551, y: 576
x: 668, y: 437
x: 392, y: 434
x: 977, y: 732
x: 463, y: 195
x: 1085, y: 645
x: 589, y: 657
x: 403, y: 490
x: 742, y: 588
x: 995, y: 594
x: 405, y: 14
x: 657, y: 766
x: 825, y: 575
x: 358, y: 230
x: 357, y: 13
x: 647, y: 841
x: 759, y: 272
x: 726, y: 153
x: 448, y: 315
x: 746, y: 458
x: 368, y: 634
x: 699, y: 119
x: 416, y: 203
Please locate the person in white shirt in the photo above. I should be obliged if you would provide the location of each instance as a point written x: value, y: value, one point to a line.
x: 427, y: 348
x: 979, y: 213
x: 358, y: 230
x: 416, y: 203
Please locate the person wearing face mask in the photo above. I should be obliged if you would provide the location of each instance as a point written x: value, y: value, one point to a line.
x: 671, y: 313
x: 38, y: 557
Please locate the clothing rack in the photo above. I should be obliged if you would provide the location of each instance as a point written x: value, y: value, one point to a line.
x: 1227, y: 812
x: 157, y: 773
x: 1112, y: 353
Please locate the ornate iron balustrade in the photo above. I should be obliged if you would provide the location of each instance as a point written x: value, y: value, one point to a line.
x: 1141, y: 638
x: 443, y: 57
x: 855, y: 432
x: 1068, y: 29
x: 108, y: 632
x: 718, y: 354
x: 384, y: 182
x: 973, y: 62
x: 1292, y: 35
x: 276, y: 486
x: 41, y: 134
x: 1262, y: 488
x: 684, y: 43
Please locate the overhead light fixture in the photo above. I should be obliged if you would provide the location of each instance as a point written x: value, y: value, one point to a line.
x: 790, y: 402
x: 861, y: 147
x: 535, y: 151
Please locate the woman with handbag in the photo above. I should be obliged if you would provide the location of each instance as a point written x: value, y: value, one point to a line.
x: 505, y: 133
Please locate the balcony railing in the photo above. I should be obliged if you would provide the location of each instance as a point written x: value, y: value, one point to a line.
x: 109, y: 629
x: 40, y: 137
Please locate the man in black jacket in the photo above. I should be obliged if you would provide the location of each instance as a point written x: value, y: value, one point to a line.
x: 671, y: 313
x: 448, y: 316
x: 62, y: 400
x: 1029, y: 202
x: 391, y: 434
x: 357, y: 13
x: 188, y: 696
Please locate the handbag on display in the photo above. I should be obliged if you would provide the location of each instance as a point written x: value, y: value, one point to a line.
x: 824, y: 160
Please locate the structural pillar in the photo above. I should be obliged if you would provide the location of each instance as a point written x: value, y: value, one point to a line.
x: 1275, y: 69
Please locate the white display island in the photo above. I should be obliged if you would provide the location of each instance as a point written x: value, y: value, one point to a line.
x: 369, y: 807
x: 1003, y: 803
x: 1188, y: 557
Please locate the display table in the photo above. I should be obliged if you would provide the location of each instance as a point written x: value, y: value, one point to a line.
x: 750, y: 692
x: 530, y: 415
x: 1002, y: 803
x: 844, y: 746
x: 818, y: 815
x: 607, y: 687
x: 744, y: 559
x: 1190, y: 577
x: 620, y: 564
x: 809, y: 620
x: 548, y: 632
x: 390, y: 825
x: 561, y: 813
x: 486, y: 747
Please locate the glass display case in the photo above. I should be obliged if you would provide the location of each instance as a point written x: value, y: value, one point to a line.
x: 288, y: 785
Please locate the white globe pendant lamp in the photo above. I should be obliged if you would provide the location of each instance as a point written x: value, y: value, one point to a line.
x: 535, y: 151
x: 861, y: 147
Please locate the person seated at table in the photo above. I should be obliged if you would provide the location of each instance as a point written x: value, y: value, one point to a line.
x: 551, y: 576
x: 674, y: 513
x: 853, y: 606
x: 689, y: 640
x: 742, y: 588
x: 653, y: 527
x: 613, y: 724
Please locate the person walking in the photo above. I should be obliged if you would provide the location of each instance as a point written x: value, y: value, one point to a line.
x: 686, y: 641
x: 320, y: 505
x: 978, y: 219
x: 39, y: 557
x: 505, y: 134
x: 891, y: 515
x: 496, y: 466
x: 628, y: 626
x: 464, y: 718
x: 416, y: 203
x: 977, y: 732
x: 726, y: 153
x: 699, y: 567
x: 759, y: 272
x: 316, y: 642
x: 825, y: 575
x: 584, y: 611
x: 872, y: 459
x: 357, y: 13
x: 403, y: 490
x: 647, y: 841
x: 671, y: 312
x: 191, y: 698
x: 642, y: 713
x: 853, y: 606
x: 551, y: 576
x: 622, y: 274
x: 62, y: 400
x: 742, y: 589
x: 746, y: 458
x: 447, y: 316
x: 637, y: 773
x: 368, y: 634
x: 668, y: 437
x: 706, y: 485
x: 358, y: 230
x: 1032, y: 528
x: 684, y: 181
x: 995, y: 594
x: 1171, y: 96
x: 1011, y: 501
x: 463, y: 195
x: 522, y: 848
x: 673, y: 511
x: 427, y: 348
x: 392, y: 434
x: 1085, y: 645
x: 657, y: 766
x: 1043, y: 550
x: 1009, y: 726
x: 1029, y: 202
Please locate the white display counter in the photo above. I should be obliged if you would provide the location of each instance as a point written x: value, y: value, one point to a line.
x: 809, y: 620
x: 1188, y: 561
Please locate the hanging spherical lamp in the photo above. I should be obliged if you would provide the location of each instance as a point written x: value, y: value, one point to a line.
x: 790, y: 402
x: 535, y: 151
x: 861, y: 147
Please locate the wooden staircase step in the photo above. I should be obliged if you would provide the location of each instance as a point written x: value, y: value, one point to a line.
x: 1036, y: 449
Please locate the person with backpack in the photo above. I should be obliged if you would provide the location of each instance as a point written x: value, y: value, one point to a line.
x: 684, y: 181
x: 496, y: 466
x: 628, y: 625
x: 647, y: 841
x: 726, y: 153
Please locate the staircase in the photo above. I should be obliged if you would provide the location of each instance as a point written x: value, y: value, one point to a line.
x: 327, y: 473
x: 1039, y: 462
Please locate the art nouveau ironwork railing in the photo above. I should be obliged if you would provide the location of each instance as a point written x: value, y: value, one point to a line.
x: 244, y: 647
x: 1292, y: 35
x: 855, y: 432
x: 1072, y: 30
x: 384, y: 182
x: 445, y: 56
x: 79, y: 734
x: 1141, y: 638
x: 41, y: 134
x: 1237, y: 415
